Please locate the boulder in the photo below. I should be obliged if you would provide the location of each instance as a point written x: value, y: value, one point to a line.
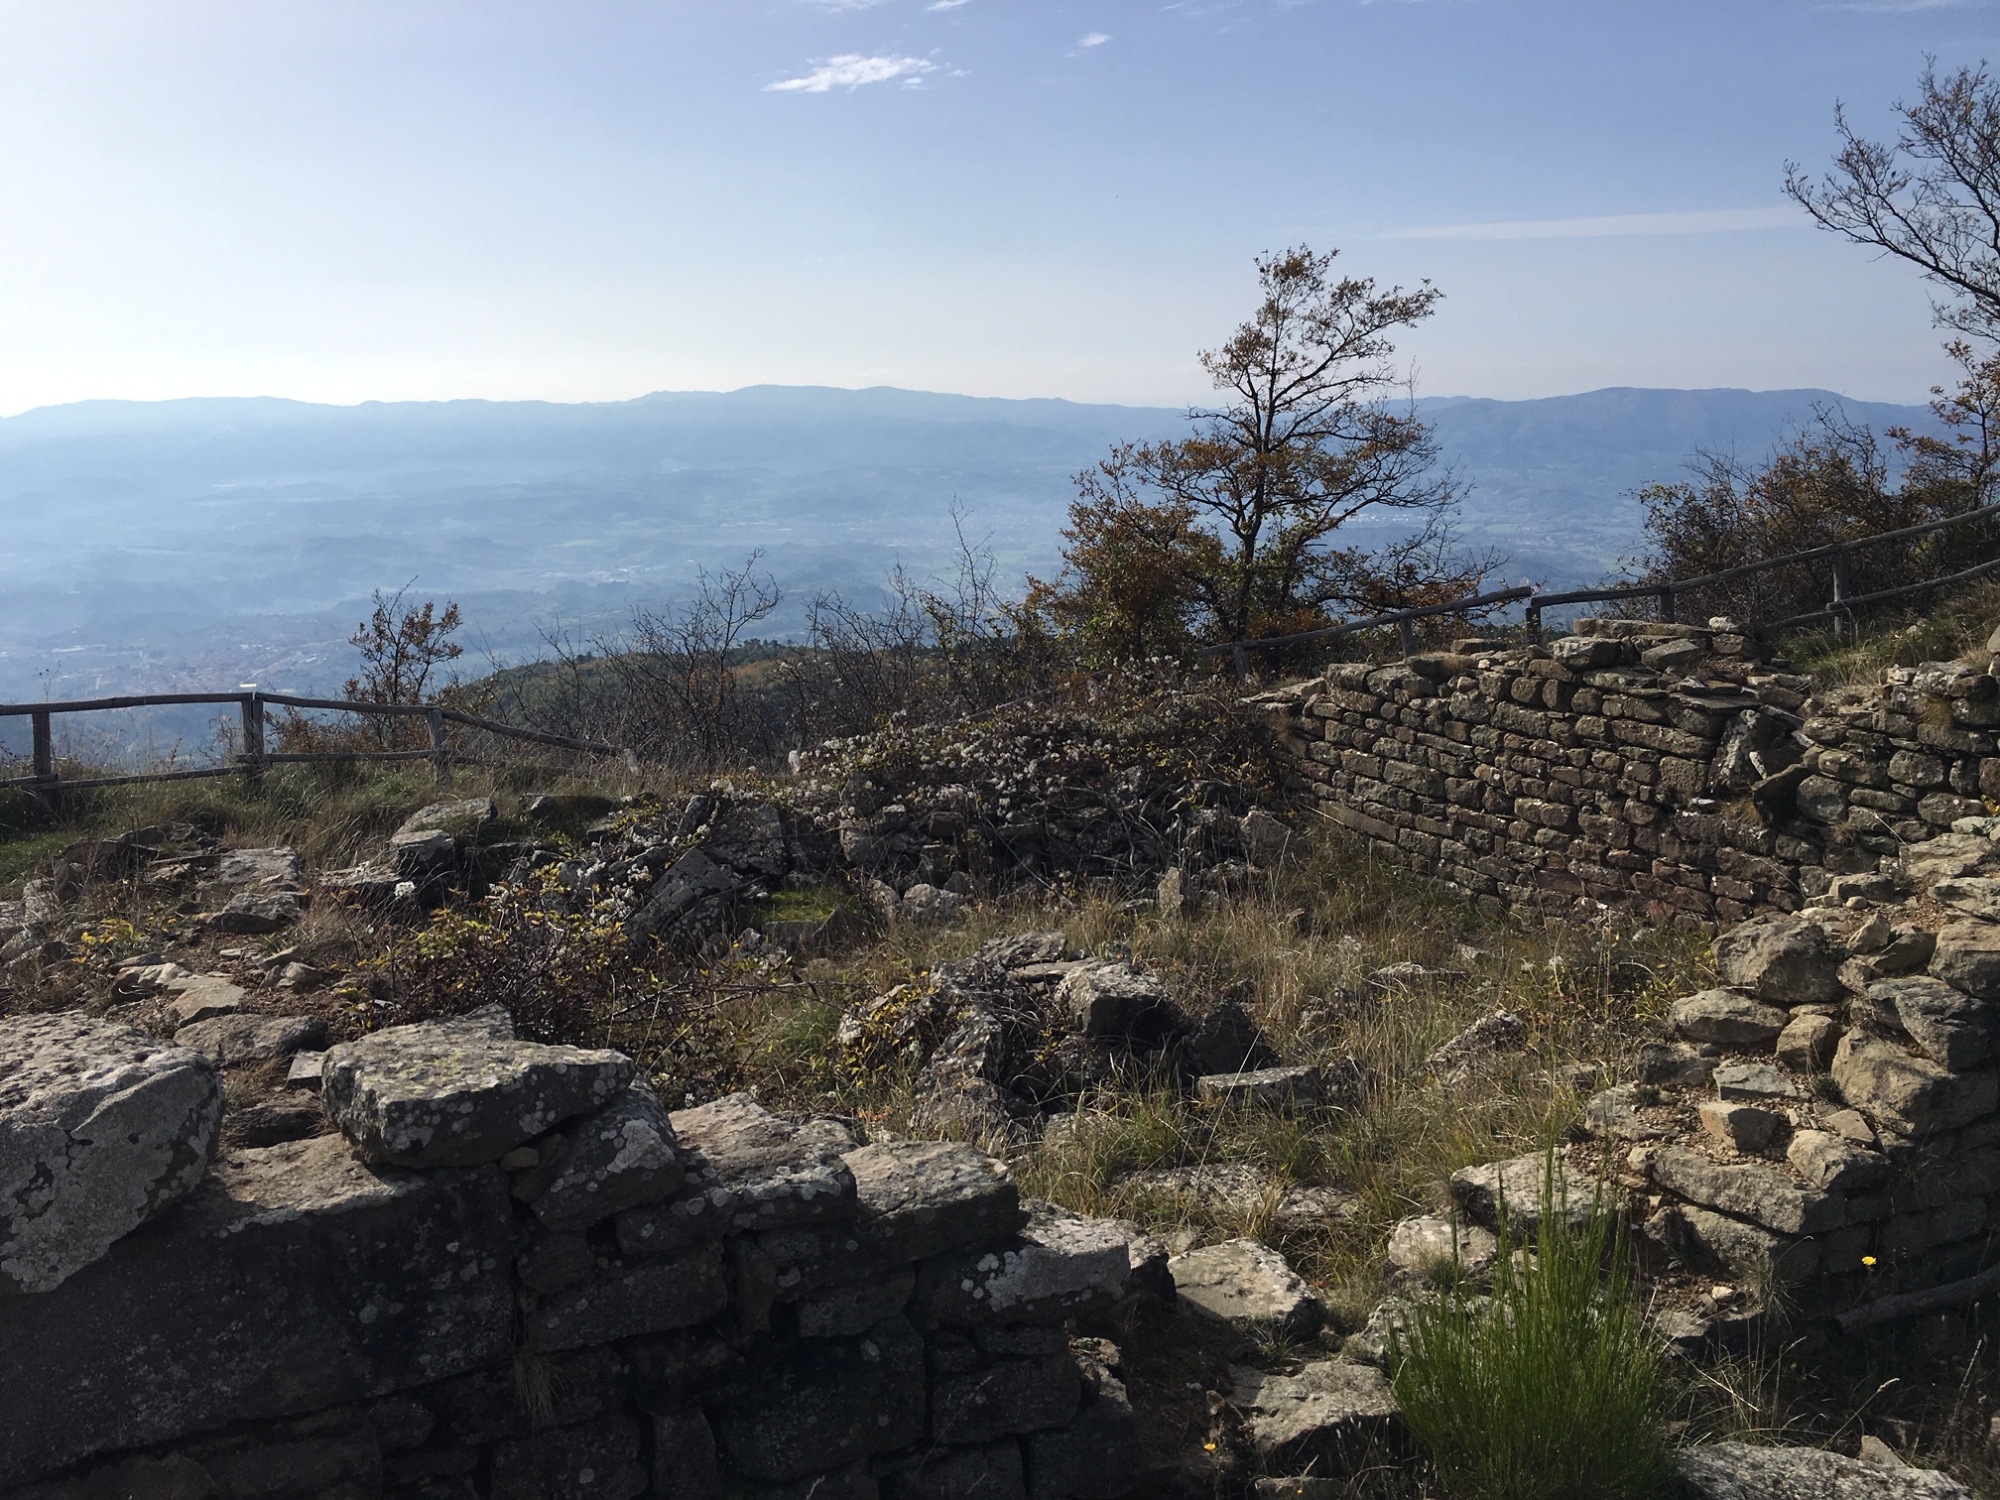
x: 1967, y: 957
x: 254, y: 912
x: 201, y: 997
x: 1910, y: 1096
x: 232, y: 1040
x: 1785, y: 958
x: 276, y: 868
x: 1110, y: 999
x: 1615, y: 1114
x: 618, y: 1158
x: 1250, y: 1287
x: 101, y: 1127
x: 1950, y: 1026
x: 1516, y: 1189
x: 1331, y: 1418
x: 1266, y: 841
x: 925, y: 903
x: 1728, y: 1019
x: 916, y: 1199
x: 1673, y: 1065
x: 749, y: 838
x: 1059, y: 1266
x: 1738, y: 1471
x: 1974, y: 895
x: 1835, y: 1164
x: 757, y: 1171
x: 457, y: 1093
x: 1807, y: 1042
x: 1762, y: 1194
x: 302, y: 1278
x: 1226, y: 1040
x: 1742, y: 1127
x: 460, y: 818
x: 688, y: 899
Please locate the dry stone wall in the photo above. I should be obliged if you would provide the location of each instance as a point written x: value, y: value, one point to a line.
x: 1662, y: 770
x: 514, y: 1273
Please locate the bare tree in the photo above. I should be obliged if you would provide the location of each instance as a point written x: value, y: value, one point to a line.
x: 681, y: 670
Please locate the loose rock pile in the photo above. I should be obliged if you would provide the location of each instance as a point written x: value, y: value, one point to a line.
x: 1023, y: 1031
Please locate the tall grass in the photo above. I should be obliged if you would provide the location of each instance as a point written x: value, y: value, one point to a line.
x: 1549, y: 1390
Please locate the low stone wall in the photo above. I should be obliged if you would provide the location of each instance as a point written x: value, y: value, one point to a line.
x: 1661, y: 770
x: 515, y: 1274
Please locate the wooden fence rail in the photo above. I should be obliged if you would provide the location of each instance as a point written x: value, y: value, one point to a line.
x: 253, y: 758
x: 1842, y: 605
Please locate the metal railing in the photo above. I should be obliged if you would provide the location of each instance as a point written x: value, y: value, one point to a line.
x: 253, y: 758
x: 1842, y: 605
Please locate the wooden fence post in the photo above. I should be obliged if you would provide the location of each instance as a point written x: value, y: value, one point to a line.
x: 1533, y: 621
x: 1406, y: 634
x: 1242, y: 659
x: 1667, y: 606
x: 440, y: 752
x: 45, y: 755
x: 1842, y: 588
x: 253, y: 735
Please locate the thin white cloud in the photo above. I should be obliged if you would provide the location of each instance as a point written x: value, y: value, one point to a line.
x: 945, y: 4
x: 845, y: 4
x: 850, y: 71
x: 1604, y: 226
x: 1095, y: 39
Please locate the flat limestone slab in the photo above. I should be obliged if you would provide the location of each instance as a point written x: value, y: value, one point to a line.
x: 1249, y: 1286
x: 101, y: 1127
x: 457, y: 1093
x: 293, y: 1278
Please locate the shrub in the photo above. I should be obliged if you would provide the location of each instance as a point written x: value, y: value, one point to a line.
x: 1550, y: 1389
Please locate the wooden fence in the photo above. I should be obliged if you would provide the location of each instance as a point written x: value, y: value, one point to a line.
x: 253, y: 758
x: 1842, y: 606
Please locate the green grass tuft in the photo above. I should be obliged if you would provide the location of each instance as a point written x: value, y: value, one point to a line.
x: 1549, y: 1390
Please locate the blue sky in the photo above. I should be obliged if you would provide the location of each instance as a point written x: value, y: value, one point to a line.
x: 352, y: 199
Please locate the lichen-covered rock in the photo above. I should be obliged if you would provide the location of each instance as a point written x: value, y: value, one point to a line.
x: 1727, y: 1018
x: 624, y: 1301
x: 1786, y: 959
x: 453, y: 1093
x: 1807, y: 1042
x: 458, y: 817
x: 1226, y: 1040
x: 101, y: 1127
x: 1967, y: 957
x: 1250, y: 1287
x: 1909, y: 1096
x: 1738, y: 1471
x: 291, y: 1279
x: 1764, y: 1195
x: 1268, y: 1088
x: 1061, y: 1265
x: 618, y: 1158
x: 1331, y: 1418
x: 757, y: 1171
x: 1431, y: 1245
x: 1110, y: 999
x: 1489, y: 1037
x: 1952, y: 1028
x: 1515, y: 1189
x: 916, y: 1199
x: 254, y: 912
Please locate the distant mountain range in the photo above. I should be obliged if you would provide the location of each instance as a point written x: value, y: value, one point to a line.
x: 150, y: 545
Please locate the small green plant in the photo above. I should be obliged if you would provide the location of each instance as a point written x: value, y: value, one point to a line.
x: 1551, y: 1388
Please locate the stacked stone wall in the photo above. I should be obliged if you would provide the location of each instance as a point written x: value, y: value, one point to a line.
x: 515, y: 1274
x: 1665, y: 771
